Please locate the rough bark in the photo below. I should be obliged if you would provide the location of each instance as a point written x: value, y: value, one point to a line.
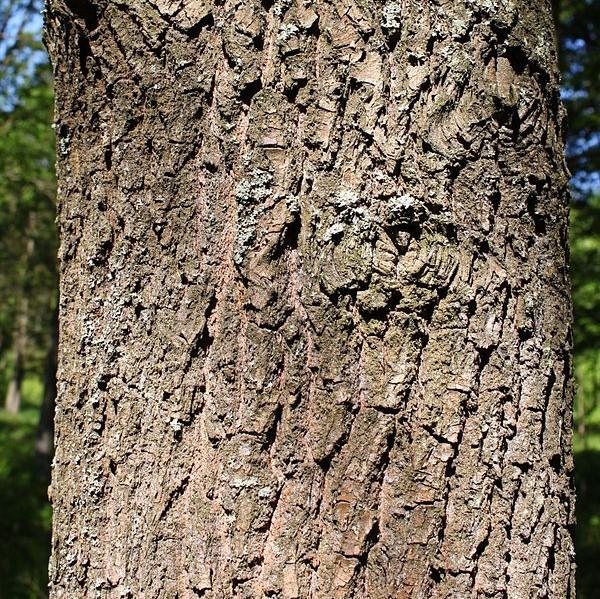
x: 315, y: 319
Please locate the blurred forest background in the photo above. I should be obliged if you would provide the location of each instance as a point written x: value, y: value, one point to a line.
x: 28, y: 288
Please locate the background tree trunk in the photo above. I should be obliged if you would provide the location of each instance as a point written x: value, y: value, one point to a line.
x: 44, y: 440
x: 315, y: 318
x: 12, y: 402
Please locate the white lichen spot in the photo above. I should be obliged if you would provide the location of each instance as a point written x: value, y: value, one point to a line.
x: 64, y: 144
x: 347, y: 198
x: 245, y: 450
x: 459, y: 28
x: 334, y: 231
x: 99, y: 583
x: 281, y: 7
x: 292, y: 204
x: 95, y: 488
x: 402, y: 202
x: 391, y: 16
x: 353, y: 212
x: 404, y: 208
x: 287, y: 32
x: 264, y: 492
x: 239, y: 482
x: 361, y: 214
x: 176, y: 426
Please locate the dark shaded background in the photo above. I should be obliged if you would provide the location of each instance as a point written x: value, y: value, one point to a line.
x: 28, y: 283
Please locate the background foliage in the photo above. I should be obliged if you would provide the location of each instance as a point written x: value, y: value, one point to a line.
x: 28, y: 283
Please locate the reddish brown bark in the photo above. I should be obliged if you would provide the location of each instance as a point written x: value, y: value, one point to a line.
x: 315, y: 320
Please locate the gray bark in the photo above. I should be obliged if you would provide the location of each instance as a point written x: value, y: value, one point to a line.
x: 315, y: 317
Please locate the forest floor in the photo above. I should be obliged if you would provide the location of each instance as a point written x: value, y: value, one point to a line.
x: 587, y: 533
x: 25, y: 515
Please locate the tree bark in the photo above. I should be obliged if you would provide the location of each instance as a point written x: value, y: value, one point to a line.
x: 315, y: 317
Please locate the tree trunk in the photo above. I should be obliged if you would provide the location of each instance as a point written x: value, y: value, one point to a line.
x: 12, y: 402
x: 315, y: 318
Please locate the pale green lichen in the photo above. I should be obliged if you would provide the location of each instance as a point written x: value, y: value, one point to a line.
x: 250, y: 194
x: 459, y: 28
x: 255, y: 189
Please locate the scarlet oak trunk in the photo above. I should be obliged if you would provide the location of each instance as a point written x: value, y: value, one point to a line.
x: 314, y: 301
